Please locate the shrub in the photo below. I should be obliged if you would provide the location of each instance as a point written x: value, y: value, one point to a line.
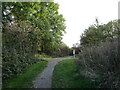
x: 62, y: 50
x: 101, y: 63
x: 18, y: 48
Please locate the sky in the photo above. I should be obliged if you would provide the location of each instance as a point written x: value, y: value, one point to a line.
x: 80, y: 14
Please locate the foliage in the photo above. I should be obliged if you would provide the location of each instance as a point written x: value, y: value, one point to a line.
x: 101, y: 63
x: 99, y: 54
x: 63, y: 50
x: 19, y: 48
x: 45, y: 18
x: 29, y: 28
x: 100, y: 33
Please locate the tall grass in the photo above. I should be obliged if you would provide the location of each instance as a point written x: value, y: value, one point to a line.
x: 101, y: 63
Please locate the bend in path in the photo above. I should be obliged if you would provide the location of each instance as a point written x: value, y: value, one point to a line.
x: 44, y: 79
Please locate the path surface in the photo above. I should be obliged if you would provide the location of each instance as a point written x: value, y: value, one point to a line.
x: 44, y: 79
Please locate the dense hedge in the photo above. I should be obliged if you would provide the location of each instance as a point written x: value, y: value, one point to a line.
x: 18, y: 48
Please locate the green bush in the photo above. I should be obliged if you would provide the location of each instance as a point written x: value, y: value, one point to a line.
x: 18, y: 49
x: 101, y: 63
x: 62, y: 50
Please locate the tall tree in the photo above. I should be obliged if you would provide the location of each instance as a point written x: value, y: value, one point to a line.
x: 29, y: 27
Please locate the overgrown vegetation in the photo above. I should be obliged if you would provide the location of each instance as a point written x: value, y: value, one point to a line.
x: 65, y: 75
x: 25, y: 79
x: 63, y: 50
x: 99, y: 57
x: 100, y: 33
x: 29, y: 28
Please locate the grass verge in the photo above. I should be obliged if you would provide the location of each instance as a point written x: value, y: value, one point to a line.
x: 65, y: 75
x: 24, y: 80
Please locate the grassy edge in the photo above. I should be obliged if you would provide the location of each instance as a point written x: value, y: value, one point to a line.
x: 65, y: 75
x: 25, y: 79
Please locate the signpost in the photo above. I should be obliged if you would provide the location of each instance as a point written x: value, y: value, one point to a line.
x: 74, y: 53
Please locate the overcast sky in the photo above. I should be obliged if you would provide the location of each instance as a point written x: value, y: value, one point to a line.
x: 79, y: 14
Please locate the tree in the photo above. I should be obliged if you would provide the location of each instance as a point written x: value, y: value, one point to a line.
x: 99, y: 33
x: 63, y: 50
x: 29, y: 27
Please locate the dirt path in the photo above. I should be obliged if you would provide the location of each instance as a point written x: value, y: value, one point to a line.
x: 44, y: 79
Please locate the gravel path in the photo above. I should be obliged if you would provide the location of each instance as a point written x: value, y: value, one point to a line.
x: 44, y: 79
